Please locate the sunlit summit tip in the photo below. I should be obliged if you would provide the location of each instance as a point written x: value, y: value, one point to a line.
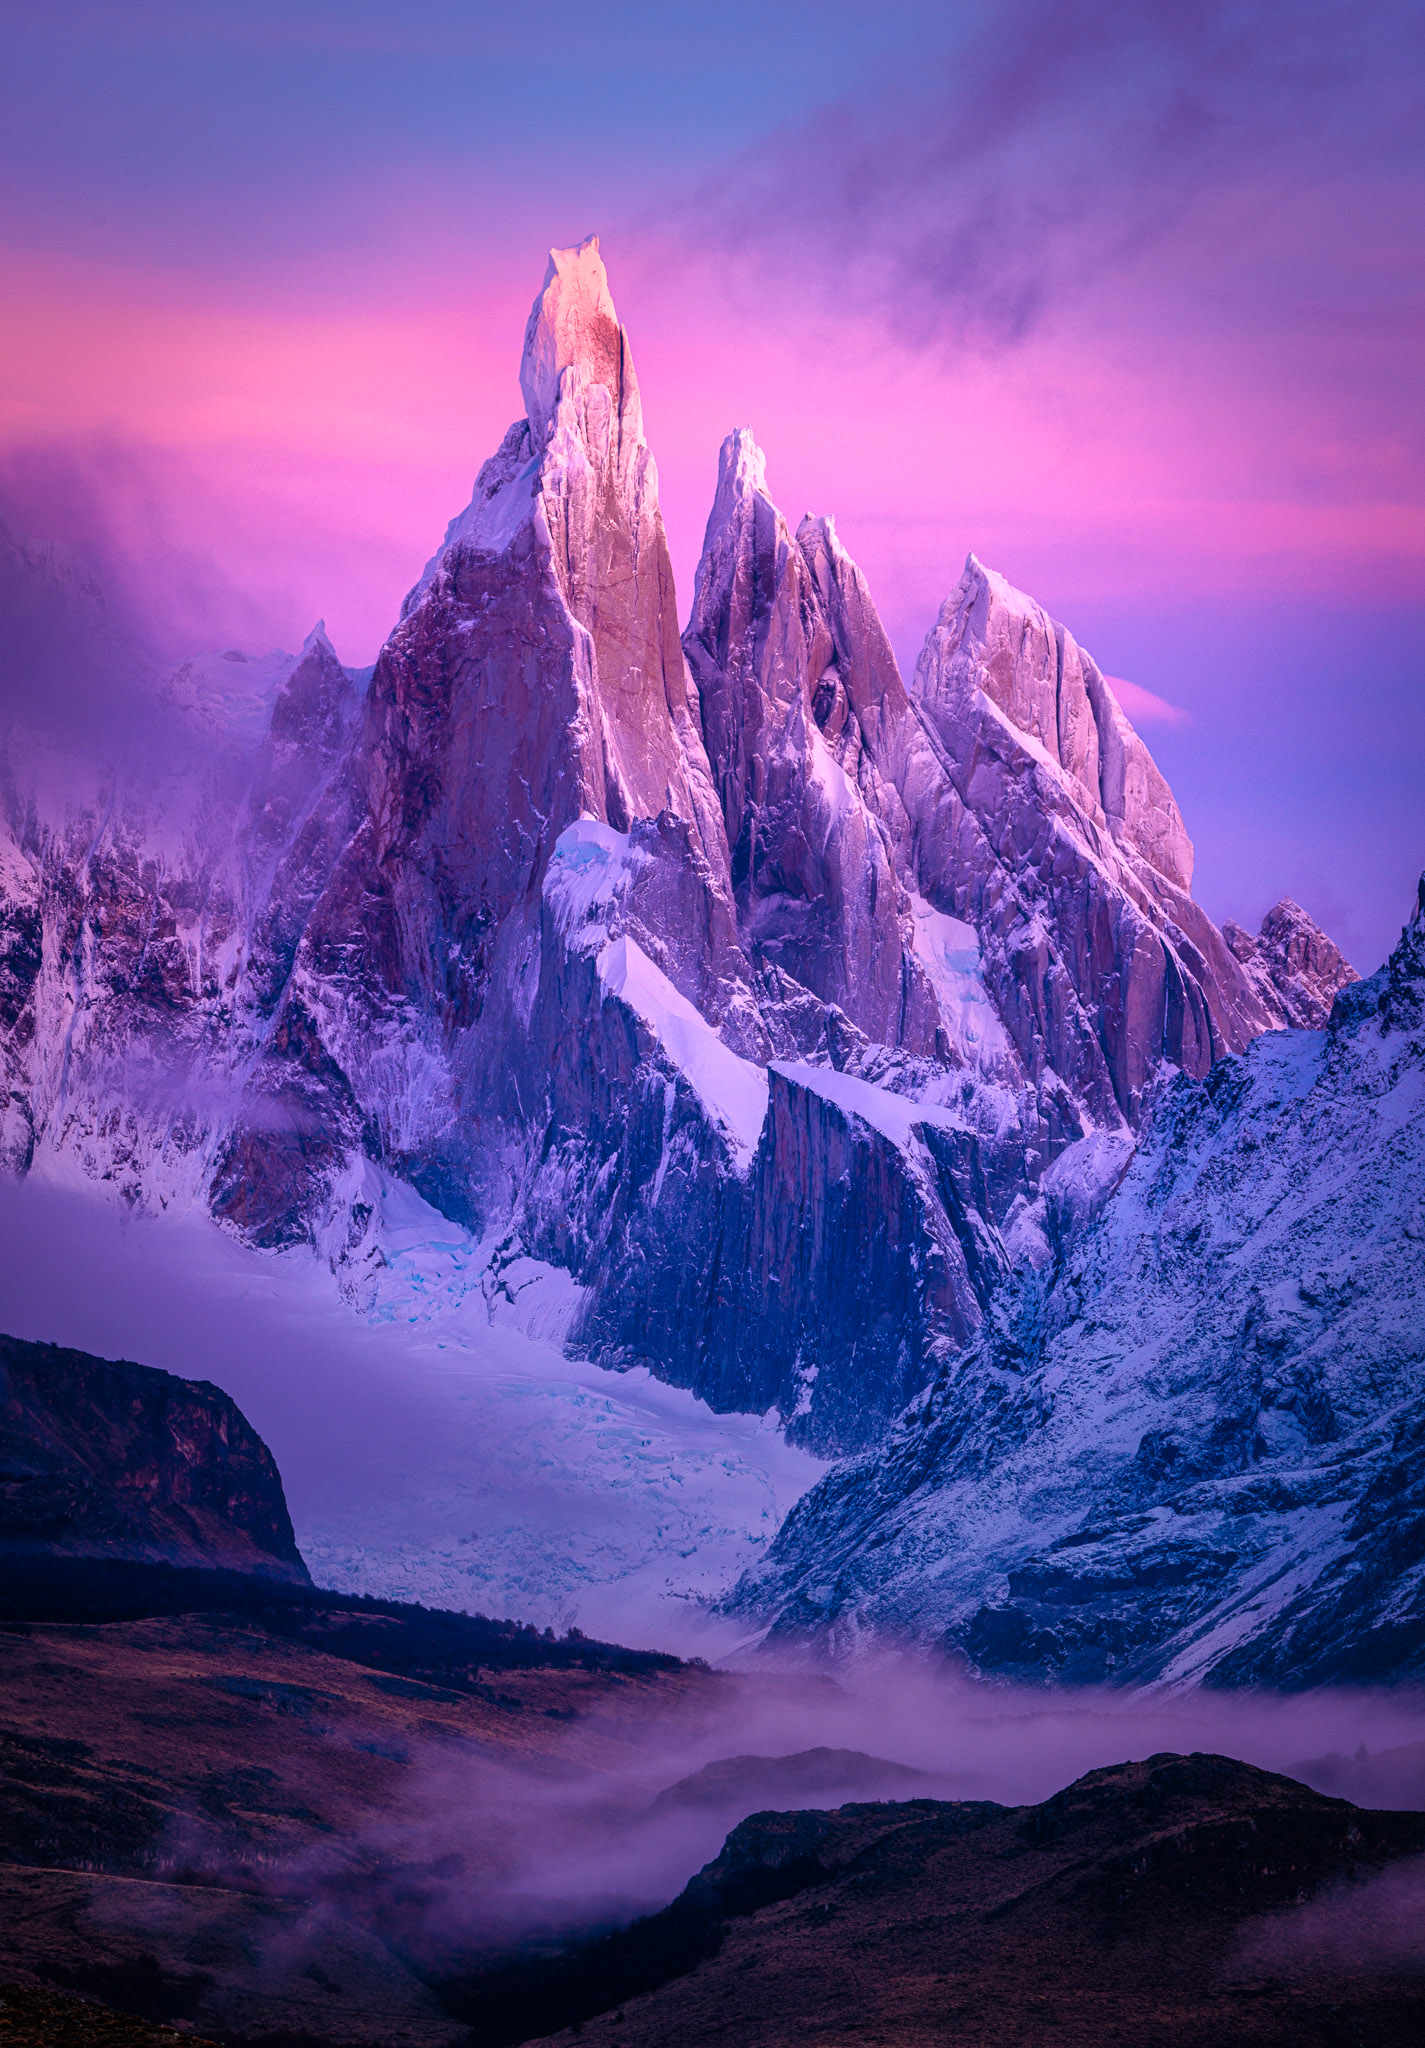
x: 572, y: 322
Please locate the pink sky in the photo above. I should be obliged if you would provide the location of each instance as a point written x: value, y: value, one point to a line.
x: 1131, y: 302
x: 279, y: 462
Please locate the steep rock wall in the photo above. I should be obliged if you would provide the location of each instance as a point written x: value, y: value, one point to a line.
x: 544, y: 919
x: 1195, y: 1443
x: 99, y: 1459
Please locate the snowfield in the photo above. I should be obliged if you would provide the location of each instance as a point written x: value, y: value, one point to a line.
x: 432, y: 1448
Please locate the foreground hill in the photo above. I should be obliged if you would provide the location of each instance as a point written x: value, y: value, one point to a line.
x: 112, y: 1460
x: 35, y: 2018
x: 1149, y: 1902
x: 236, y: 1805
x: 210, y: 1825
x: 209, y: 1817
x: 210, y: 1768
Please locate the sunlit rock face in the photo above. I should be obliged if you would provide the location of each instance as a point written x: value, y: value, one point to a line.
x: 535, y: 679
x: 598, y: 492
x: 808, y: 814
x: 786, y: 1007
x: 1296, y: 970
x: 1194, y: 1449
x: 1104, y: 966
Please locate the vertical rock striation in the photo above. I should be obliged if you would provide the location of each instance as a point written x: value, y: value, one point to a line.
x: 808, y: 815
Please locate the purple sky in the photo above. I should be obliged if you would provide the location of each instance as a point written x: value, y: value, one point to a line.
x: 1128, y: 299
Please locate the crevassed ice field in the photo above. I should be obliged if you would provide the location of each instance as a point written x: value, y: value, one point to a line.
x: 435, y: 1442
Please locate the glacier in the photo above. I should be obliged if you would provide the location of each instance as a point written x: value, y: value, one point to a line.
x: 438, y: 1446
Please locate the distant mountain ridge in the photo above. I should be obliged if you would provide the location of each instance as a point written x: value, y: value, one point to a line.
x: 785, y: 1005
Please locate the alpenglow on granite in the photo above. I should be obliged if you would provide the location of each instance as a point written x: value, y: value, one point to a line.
x: 774, y: 998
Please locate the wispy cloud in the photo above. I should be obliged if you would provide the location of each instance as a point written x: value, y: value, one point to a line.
x: 1146, y: 708
x: 108, y: 501
x: 213, y: 547
x: 1042, y: 145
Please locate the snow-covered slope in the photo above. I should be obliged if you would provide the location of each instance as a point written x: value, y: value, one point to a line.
x: 1196, y: 1447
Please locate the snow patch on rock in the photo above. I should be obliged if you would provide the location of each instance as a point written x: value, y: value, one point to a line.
x: 589, y: 872
x: 894, y: 1116
x: 732, y: 1090
x: 501, y: 508
x: 1088, y: 1170
x: 949, y: 951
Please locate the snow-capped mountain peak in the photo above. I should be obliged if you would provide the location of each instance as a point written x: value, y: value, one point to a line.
x: 754, y: 989
x: 573, y: 326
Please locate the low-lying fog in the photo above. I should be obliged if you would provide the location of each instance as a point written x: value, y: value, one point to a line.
x: 488, y: 1472
x: 484, y: 1858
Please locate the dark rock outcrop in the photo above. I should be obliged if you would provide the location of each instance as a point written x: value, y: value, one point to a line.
x: 111, y: 1460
